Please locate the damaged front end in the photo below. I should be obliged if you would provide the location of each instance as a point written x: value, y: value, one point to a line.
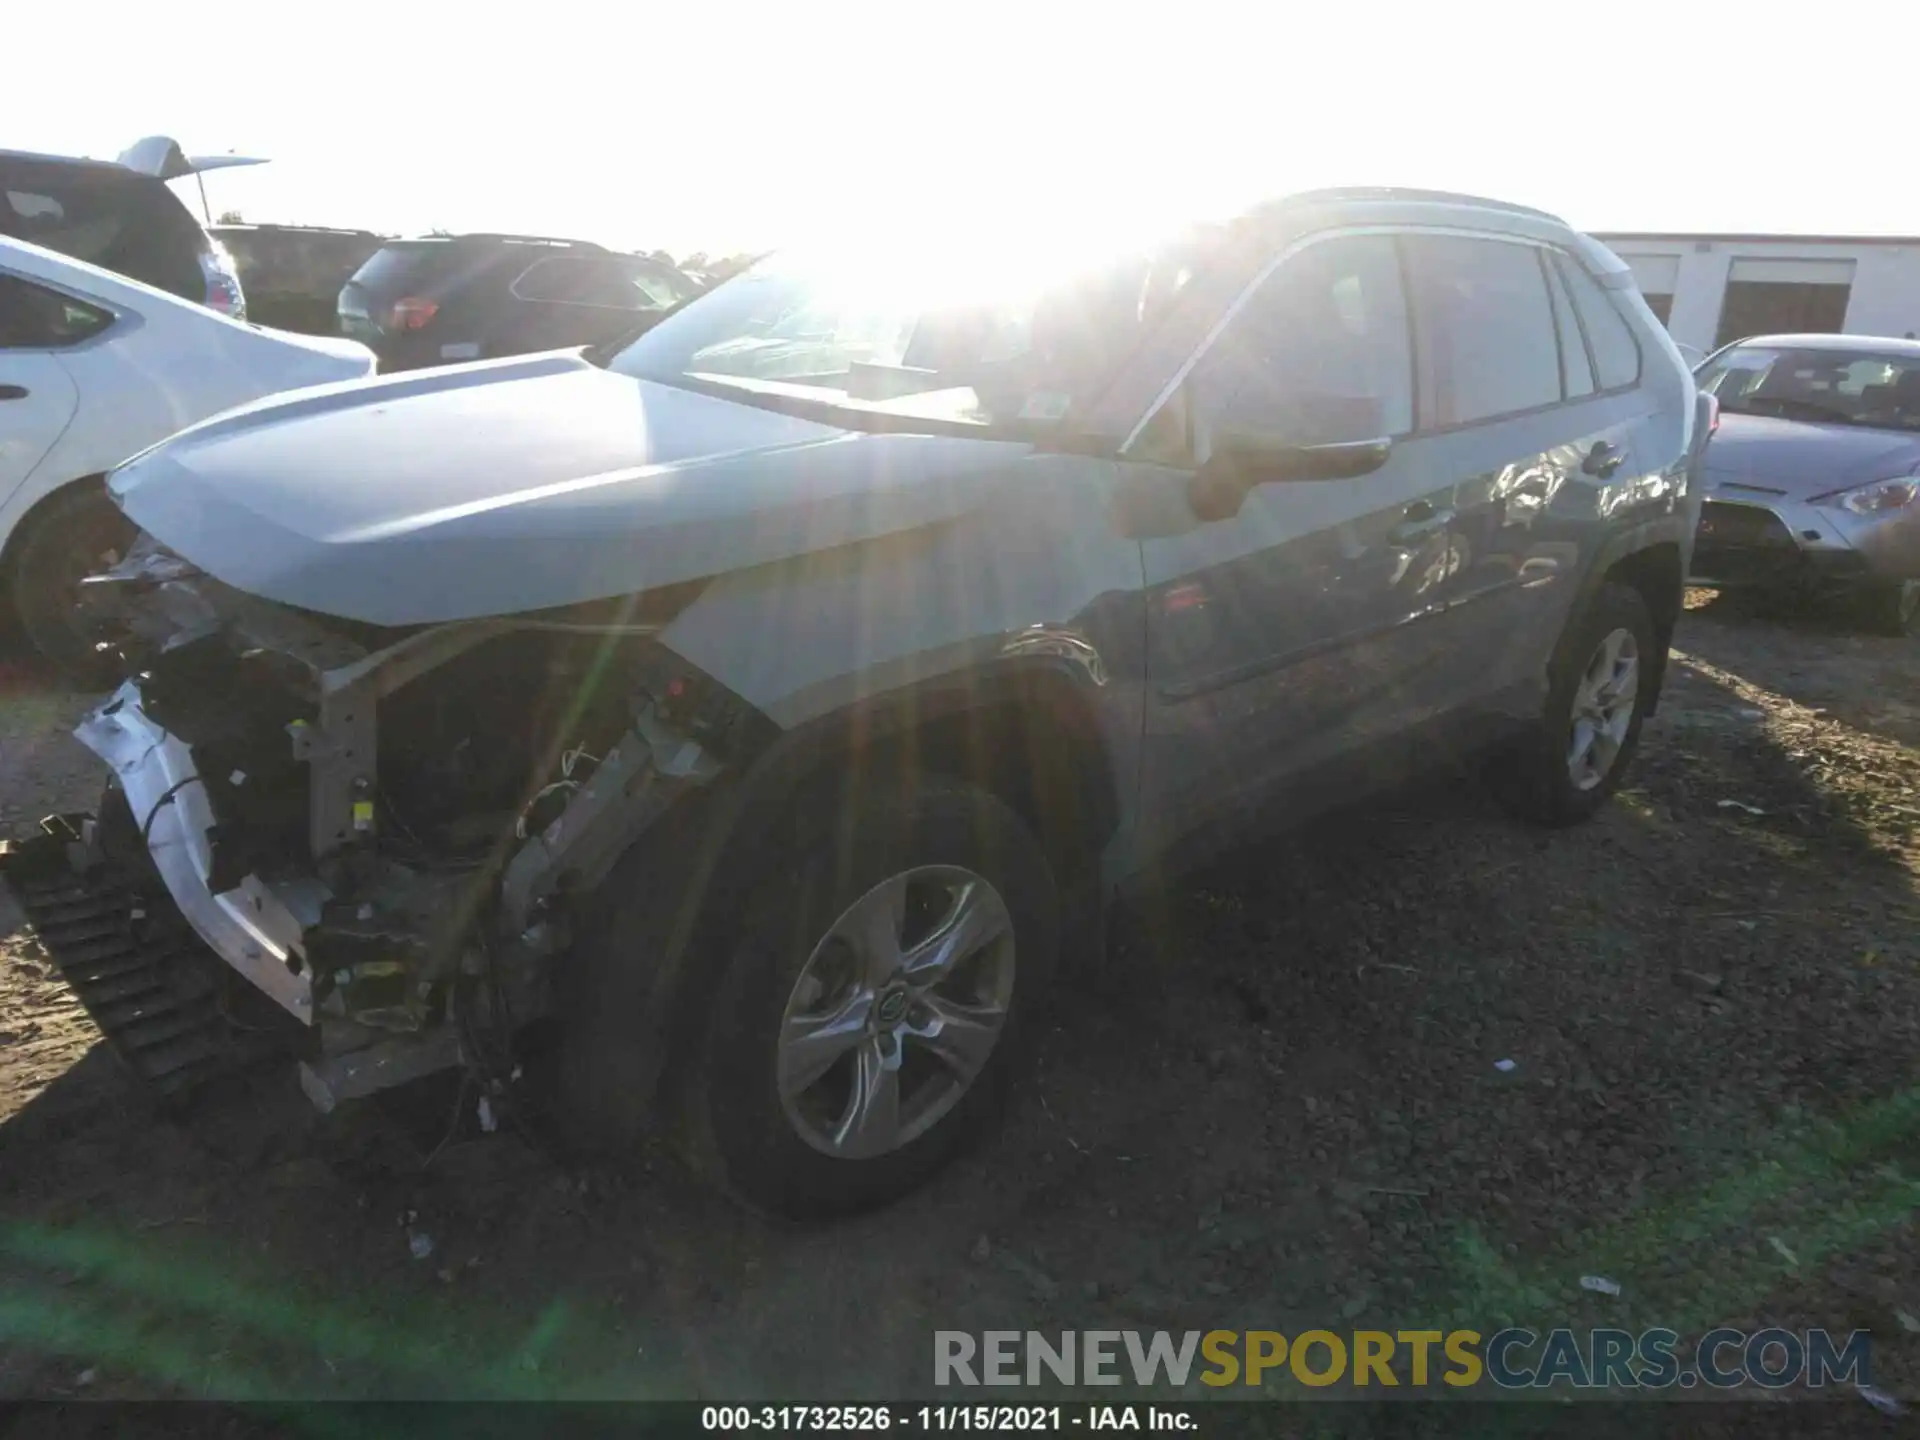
x: 382, y: 832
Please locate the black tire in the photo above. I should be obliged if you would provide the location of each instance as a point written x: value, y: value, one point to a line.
x: 732, y: 1121
x: 1533, y: 778
x: 1891, y: 607
x: 71, y: 535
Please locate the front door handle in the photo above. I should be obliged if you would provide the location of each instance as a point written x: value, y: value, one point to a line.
x: 1603, y: 459
x: 1419, y: 520
x: 13, y: 392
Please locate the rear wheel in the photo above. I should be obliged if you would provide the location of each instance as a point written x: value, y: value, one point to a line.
x: 76, y: 533
x: 1891, y: 607
x: 1575, y: 755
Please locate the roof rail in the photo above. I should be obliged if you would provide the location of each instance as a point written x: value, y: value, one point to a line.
x: 278, y: 225
x: 1396, y: 192
x: 44, y: 157
x: 526, y: 239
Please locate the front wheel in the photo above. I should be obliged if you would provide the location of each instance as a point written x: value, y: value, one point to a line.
x: 876, y: 1000
x: 1891, y: 607
x: 76, y: 533
x: 1575, y: 755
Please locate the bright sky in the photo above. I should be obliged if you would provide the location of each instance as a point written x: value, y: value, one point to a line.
x: 749, y: 123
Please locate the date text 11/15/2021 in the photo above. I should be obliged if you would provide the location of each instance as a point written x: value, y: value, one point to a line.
x: 937, y: 1419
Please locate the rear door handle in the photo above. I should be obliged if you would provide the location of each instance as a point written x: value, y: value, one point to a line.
x: 1603, y: 459
x: 13, y: 392
x: 1419, y: 520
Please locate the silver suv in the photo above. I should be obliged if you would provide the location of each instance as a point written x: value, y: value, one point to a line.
x: 755, y: 713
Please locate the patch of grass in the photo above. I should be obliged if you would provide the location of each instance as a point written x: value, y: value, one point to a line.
x: 1823, y: 1189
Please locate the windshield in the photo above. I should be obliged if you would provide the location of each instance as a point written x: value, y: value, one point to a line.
x: 1832, y: 387
x: 965, y: 337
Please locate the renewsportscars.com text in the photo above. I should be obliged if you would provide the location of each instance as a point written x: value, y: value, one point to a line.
x: 1508, y: 1359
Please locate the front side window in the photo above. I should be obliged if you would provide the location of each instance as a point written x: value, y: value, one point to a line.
x: 33, y: 317
x: 989, y: 338
x: 1822, y: 386
x: 1486, y: 325
x: 1319, y: 354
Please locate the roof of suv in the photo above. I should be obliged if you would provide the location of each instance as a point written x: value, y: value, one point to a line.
x: 154, y: 158
x: 1839, y: 344
x: 270, y: 228
x: 1348, y: 194
x: 503, y: 238
x: 1392, y: 204
x: 103, y: 169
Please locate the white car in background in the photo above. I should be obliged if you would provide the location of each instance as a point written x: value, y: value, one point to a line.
x: 94, y: 368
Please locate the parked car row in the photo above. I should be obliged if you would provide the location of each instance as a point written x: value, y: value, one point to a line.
x: 451, y: 298
x: 744, y: 719
x: 292, y: 274
x: 122, y: 217
x: 95, y: 368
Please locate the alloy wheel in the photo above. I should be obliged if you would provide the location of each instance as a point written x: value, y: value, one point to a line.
x: 896, y: 1012
x: 1603, y: 705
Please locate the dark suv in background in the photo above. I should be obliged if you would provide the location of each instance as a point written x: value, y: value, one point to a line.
x: 444, y: 299
x: 121, y: 216
x: 293, y: 273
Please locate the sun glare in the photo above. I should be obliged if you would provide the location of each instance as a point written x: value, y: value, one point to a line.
x: 936, y: 250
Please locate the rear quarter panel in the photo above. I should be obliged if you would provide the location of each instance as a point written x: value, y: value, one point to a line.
x: 159, y: 369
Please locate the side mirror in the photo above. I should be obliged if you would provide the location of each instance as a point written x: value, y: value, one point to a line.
x: 1240, y: 462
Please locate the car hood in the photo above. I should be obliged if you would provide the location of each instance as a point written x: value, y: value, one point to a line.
x: 1798, y: 460
x: 523, y: 484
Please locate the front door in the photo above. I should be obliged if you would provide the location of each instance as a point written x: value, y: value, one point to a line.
x: 1293, y: 635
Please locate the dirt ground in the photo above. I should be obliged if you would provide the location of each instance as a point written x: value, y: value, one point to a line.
x: 1279, y: 1108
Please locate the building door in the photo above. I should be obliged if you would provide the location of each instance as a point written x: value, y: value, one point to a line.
x: 1658, y: 276
x: 1785, y: 297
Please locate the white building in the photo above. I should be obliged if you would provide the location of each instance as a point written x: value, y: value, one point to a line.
x: 1710, y: 289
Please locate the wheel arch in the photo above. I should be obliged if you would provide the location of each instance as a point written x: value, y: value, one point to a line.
x: 1657, y: 572
x: 1024, y: 730
x: 28, y: 518
x: 1649, y: 559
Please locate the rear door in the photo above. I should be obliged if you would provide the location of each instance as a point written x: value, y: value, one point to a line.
x: 37, y: 395
x: 1517, y: 412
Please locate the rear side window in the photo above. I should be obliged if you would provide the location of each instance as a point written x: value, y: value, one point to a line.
x: 401, y: 267
x: 1616, y: 354
x: 613, y: 282
x: 1576, y: 369
x: 129, y: 224
x: 33, y: 317
x: 1485, y: 325
x: 1319, y: 354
